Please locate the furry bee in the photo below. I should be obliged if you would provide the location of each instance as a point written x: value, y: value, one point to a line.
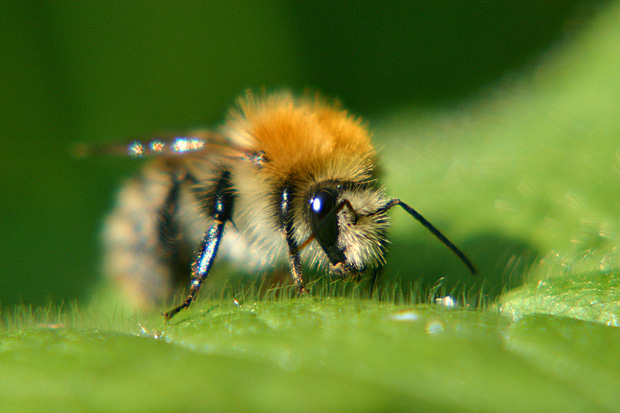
x: 285, y: 176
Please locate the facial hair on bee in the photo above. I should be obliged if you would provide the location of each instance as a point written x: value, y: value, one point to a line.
x: 285, y: 176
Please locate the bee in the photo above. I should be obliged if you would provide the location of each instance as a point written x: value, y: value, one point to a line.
x: 285, y: 176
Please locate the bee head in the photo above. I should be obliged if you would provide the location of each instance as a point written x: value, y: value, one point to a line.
x: 349, y: 223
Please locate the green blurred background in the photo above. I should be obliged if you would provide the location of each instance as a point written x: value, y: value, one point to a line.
x: 102, y: 71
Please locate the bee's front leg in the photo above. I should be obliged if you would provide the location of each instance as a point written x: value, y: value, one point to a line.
x: 287, y: 229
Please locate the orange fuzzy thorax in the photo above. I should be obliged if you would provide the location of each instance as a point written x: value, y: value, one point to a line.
x: 302, y: 135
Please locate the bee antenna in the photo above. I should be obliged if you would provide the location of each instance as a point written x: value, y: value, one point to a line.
x: 434, y: 231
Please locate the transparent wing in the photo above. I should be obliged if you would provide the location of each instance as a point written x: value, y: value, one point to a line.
x: 195, y: 144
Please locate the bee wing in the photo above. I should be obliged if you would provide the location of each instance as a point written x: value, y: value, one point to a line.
x: 196, y: 144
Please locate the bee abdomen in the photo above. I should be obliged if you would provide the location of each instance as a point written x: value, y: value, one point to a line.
x: 135, y: 256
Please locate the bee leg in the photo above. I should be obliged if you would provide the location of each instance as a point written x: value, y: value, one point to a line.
x: 294, y: 259
x: 201, y: 265
x: 221, y: 208
x: 167, y: 229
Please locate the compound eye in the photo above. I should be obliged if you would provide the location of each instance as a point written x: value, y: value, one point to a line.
x: 324, y: 228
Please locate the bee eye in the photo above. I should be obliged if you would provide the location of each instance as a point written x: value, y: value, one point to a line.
x: 325, y: 231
